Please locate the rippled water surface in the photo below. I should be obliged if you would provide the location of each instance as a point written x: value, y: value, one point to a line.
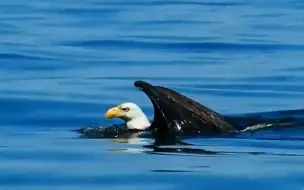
x: 64, y: 62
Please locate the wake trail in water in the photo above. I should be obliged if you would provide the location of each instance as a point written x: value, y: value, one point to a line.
x: 252, y: 122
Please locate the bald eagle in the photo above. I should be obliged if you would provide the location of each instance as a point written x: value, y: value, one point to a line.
x: 176, y: 115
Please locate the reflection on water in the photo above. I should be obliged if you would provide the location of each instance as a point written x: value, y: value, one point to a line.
x: 132, y: 139
x: 180, y: 151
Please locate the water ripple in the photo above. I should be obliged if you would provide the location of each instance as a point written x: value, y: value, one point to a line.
x: 187, y: 47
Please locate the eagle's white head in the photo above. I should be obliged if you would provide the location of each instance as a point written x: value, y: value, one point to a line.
x: 131, y: 114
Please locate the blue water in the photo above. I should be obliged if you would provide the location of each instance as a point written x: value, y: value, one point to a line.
x: 64, y: 62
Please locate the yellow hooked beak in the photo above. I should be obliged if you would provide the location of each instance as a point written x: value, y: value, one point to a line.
x: 114, y: 112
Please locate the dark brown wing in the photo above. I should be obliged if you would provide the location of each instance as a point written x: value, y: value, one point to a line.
x: 198, y: 111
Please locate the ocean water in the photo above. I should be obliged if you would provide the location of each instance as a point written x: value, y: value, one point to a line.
x: 64, y: 62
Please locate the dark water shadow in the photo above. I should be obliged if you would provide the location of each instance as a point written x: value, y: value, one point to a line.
x: 171, y: 171
x: 189, y: 151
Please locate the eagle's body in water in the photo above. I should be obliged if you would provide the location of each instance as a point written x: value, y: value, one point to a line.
x: 175, y: 116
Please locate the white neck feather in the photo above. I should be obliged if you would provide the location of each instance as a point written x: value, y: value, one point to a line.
x: 140, y: 122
